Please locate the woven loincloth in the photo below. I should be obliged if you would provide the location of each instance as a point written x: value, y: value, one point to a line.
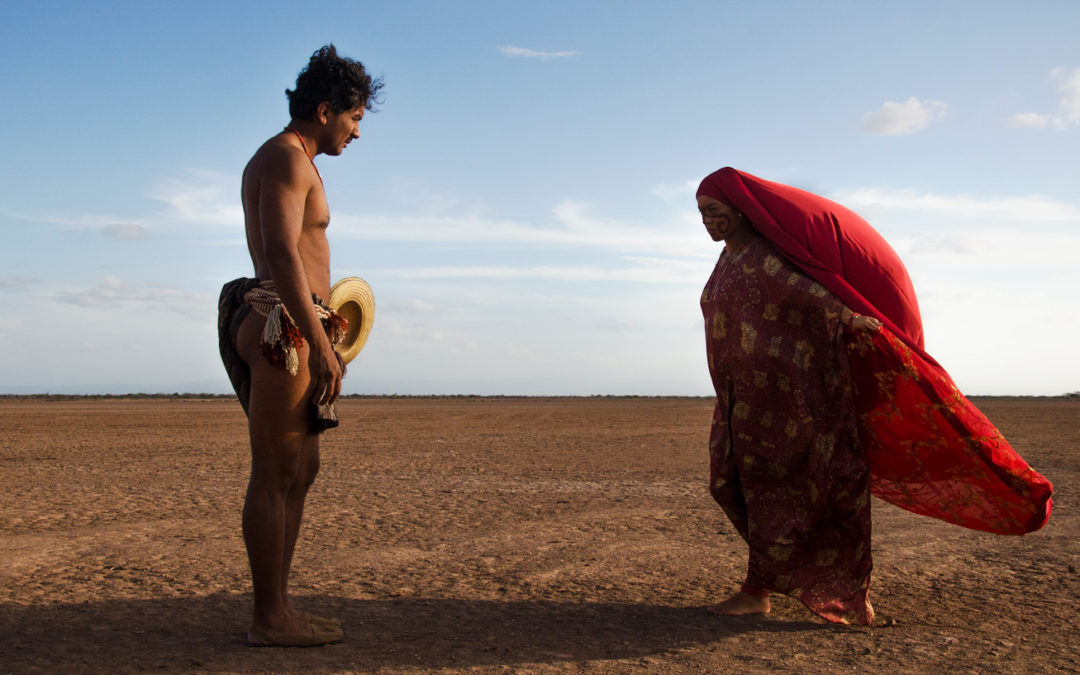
x: 280, y: 339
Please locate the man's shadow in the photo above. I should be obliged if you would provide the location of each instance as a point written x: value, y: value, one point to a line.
x: 208, y: 634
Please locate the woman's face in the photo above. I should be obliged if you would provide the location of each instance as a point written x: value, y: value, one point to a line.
x: 719, y: 219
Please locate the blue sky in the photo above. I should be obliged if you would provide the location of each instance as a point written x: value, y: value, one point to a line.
x: 522, y: 203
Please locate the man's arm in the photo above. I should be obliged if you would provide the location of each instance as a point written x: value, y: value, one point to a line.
x: 283, y: 193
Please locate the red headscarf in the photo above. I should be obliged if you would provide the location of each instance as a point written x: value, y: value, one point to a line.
x: 828, y: 242
x: 931, y: 450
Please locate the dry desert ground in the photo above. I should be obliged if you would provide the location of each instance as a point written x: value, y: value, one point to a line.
x: 486, y: 535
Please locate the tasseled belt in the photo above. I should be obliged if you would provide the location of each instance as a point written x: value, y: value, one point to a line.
x: 281, y: 338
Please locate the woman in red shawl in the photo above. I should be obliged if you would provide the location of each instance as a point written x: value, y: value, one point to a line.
x: 825, y: 396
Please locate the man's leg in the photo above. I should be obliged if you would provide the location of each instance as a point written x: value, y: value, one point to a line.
x: 282, y: 459
x: 308, y: 468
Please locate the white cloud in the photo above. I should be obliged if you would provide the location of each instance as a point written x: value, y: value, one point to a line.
x: 1068, y: 110
x: 410, y: 306
x: 203, y: 198
x: 676, y: 193
x: 17, y: 283
x: 1069, y: 105
x: 107, y: 225
x: 112, y: 293
x: 572, y: 226
x: 1029, y: 120
x: 523, y: 52
x: 125, y: 231
x: 641, y: 270
x: 1023, y: 208
x: 903, y: 118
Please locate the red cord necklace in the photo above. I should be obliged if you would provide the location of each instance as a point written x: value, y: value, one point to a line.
x: 304, y: 146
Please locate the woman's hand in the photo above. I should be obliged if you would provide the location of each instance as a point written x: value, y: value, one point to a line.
x: 854, y: 321
x: 860, y: 322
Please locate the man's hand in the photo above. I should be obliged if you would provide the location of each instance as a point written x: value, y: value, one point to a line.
x: 326, y: 370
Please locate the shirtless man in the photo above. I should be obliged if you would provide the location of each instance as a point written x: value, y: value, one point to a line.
x: 285, y: 346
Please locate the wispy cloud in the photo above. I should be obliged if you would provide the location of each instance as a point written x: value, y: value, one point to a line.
x: 111, y: 292
x: 571, y: 225
x: 1022, y: 208
x: 1069, y: 86
x: 410, y: 306
x: 676, y: 193
x: 894, y: 119
x: 640, y: 271
x: 200, y: 198
x: 1068, y: 110
x: 108, y: 225
x: 10, y: 282
x: 1029, y: 120
x: 125, y: 231
x: 523, y: 52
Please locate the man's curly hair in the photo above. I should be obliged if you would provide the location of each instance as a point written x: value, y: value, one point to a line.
x: 340, y: 81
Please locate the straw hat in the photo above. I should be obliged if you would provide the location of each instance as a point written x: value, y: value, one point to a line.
x: 352, y: 298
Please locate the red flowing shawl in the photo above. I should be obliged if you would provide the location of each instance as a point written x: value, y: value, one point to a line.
x: 931, y: 451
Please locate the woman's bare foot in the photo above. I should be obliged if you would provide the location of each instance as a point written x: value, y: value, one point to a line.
x: 741, y: 603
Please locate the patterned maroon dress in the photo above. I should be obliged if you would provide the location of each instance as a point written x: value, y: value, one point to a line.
x: 785, y: 461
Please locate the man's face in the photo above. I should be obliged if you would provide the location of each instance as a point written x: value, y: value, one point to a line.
x: 342, y: 128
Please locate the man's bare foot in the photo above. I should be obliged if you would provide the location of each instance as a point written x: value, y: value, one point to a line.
x: 308, y: 637
x: 320, y: 622
x: 740, y: 604
x: 288, y: 629
x: 293, y: 631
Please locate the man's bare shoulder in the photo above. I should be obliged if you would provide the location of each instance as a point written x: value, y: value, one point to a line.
x: 279, y: 159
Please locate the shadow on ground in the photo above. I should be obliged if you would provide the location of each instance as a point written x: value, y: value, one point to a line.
x: 208, y: 634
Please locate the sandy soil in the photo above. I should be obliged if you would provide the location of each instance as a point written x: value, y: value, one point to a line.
x: 488, y: 535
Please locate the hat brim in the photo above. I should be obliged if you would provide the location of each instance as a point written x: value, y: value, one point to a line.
x: 352, y: 299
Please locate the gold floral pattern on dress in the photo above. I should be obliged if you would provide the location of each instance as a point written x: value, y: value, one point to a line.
x: 775, y: 344
x: 780, y: 552
x: 827, y: 557
x: 825, y: 444
x: 749, y: 337
x: 772, y: 265
x: 719, y: 325
x: 766, y: 419
x: 741, y: 411
x: 804, y: 354
x: 777, y: 471
x: 771, y: 312
x: 791, y: 428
